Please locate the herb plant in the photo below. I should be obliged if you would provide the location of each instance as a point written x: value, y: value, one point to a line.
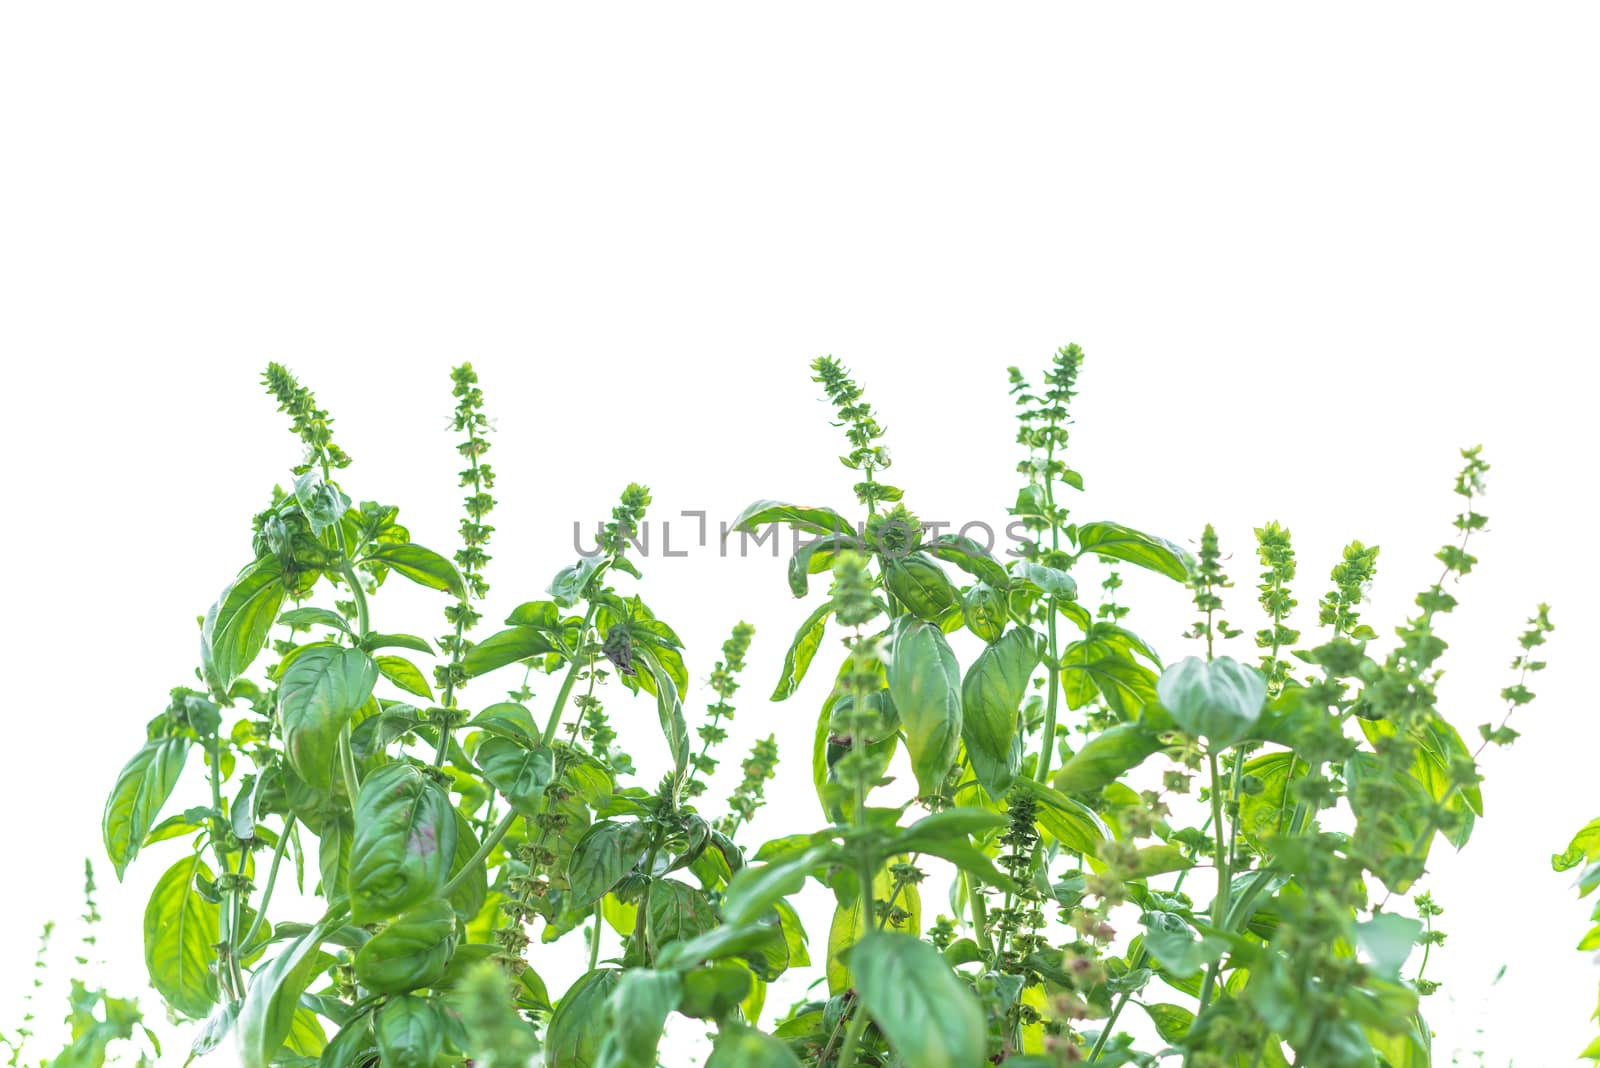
x: 1231, y: 849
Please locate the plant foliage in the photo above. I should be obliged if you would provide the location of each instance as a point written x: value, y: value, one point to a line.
x: 1228, y: 847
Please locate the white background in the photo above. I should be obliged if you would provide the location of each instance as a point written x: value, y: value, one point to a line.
x: 1309, y: 252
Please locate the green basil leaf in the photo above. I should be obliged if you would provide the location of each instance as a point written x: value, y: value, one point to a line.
x: 375, y: 640
x: 579, y: 1024
x: 810, y: 519
x: 638, y: 1010
x: 1135, y: 547
x: 470, y: 896
x: 607, y: 851
x: 267, y: 1015
x: 571, y: 582
x: 409, y: 1032
x: 991, y: 701
x: 181, y: 930
x: 519, y: 773
x: 1105, y: 757
x: 405, y: 840
x: 983, y: 608
x: 738, y: 1046
x: 970, y: 557
x: 755, y: 889
x: 801, y: 650
x: 506, y: 647
x: 669, y: 710
x: 507, y: 719
x: 931, y: 1018
x: 143, y: 786
x: 406, y: 675
x: 411, y: 953
x: 919, y: 584
x: 315, y: 617
x: 236, y: 627
x: 1219, y: 700
x: 422, y: 566
x: 321, y: 689
x: 925, y: 685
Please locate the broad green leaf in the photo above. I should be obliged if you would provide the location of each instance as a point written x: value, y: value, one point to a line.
x: 142, y: 787
x: 925, y: 685
x: 638, y: 1009
x: 568, y: 587
x: 470, y: 896
x: 1219, y: 700
x: 1439, y: 751
x: 991, y: 699
x: 1174, y: 943
x: 809, y: 519
x: 1070, y: 822
x: 1585, y: 845
x: 738, y: 1046
x: 1387, y: 939
x: 507, y: 719
x: 405, y: 840
x: 422, y: 566
x: 521, y: 774
x: 1051, y: 580
x: 669, y: 710
x: 236, y: 627
x: 1136, y: 547
x: 812, y: 558
x: 1105, y: 757
x: 267, y: 1015
x: 848, y: 927
x: 607, y: 851
x: 315, y: 617
x: 546, y: 615
x: 970, y: 557
x: 757, y: 888
x: 919, y: 584
x: 1093, y: 667
x: 321, y: 689
x: 409, y: 1031
x: 506, y: 647
x: 1172, y: 1021
x: 931, y: 1018
x: 712, y: 992
x: 983, y: 608
x: 406, y: 675
x: 181, y: 930
x: 1261, y: 812
x: 218, y: 1026
x: 677, y: 912
x: 306, y: 1037
x: 580, y: 1023
x: 375, y: 640
x: 801, y: 650
x: 410, y: 953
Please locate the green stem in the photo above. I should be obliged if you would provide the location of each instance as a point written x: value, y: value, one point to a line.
x: 489, y: 842
x: 272, y: 879
x: 1126, y: 995
x: 865, y: 865
x: 228, y: 965
x: 594, y: 939
x: 1048, y: 728
x: 1219, y: 907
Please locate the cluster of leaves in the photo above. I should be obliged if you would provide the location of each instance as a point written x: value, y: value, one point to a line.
x: 1049, y: 784
x: 1584, y: 854
x: 440, y: 835
x: 101, y: 1029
